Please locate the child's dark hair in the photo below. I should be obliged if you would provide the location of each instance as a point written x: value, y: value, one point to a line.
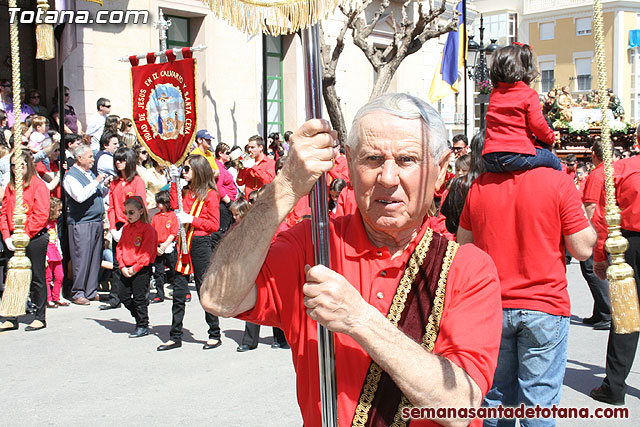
x: 165, y: 198
x: 513, y: 63
x: 241, y: 206
x: 54, y: 205
x: 139, y: 204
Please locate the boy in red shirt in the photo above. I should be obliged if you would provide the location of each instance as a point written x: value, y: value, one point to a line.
x: 165, y: 223
x: 135, y: 252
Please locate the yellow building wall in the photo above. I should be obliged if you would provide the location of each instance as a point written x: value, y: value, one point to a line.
x: 565, y: 43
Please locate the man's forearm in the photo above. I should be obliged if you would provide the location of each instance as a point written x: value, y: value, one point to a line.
x: 426, y: 379
x: 230, y: 278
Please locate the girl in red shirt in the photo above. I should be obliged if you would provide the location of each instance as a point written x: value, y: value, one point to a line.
x: 127, y: 184
x: 200, y: 217
x: 54, y: 269
x: 135, y: 253
x: 514, y: 117
x: 36, y: 202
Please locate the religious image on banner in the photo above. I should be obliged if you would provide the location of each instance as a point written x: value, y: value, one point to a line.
x: 164, y: 110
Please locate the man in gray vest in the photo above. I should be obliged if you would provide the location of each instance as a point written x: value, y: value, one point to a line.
x: 86, y: 207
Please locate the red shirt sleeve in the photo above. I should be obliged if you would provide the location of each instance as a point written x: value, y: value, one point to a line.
x: 38, y: 214
x: 536, y: 120
x: 572, y: 215
x: 265, y: 172
x: 173, y: 196
x: 209, y: 218
x: 4, y: 220
x: 173, y: 231
x: 111, y: 212
x: 600, y: 224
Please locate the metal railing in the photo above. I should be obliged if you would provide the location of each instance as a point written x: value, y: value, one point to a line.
x: 531, y: 6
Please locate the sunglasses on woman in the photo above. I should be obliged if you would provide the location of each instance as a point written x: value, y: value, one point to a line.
x: 186, y: 168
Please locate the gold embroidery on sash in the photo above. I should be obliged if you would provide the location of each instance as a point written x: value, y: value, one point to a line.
x: 397, y: 306
x: 433, y: 323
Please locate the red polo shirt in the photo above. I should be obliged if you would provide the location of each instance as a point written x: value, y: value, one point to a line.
x: 260, y: 174
x: 138, y: 246
x: 36, y: 203
x: 120, y: 191
x: 523, y: 233
x: 514, y: 118
x: 346, y: 204
x: 41, y: 168
x: 340, y: 169
x: 470, y: 327
x: 165, y: 224
x: 627, y: 180
x: 593, y: 185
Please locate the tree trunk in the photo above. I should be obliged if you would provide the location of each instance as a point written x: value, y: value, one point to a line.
x: 383, y: 81
x: 332, y: 102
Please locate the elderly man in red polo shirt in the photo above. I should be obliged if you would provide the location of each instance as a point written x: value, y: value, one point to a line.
x: 417, y: 318
x: 524, y: 220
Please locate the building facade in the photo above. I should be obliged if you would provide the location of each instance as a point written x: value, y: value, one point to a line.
x: 246, y: 84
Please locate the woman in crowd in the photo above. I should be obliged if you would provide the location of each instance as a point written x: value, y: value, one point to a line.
x: 111, y: 125
x: 201, y: 217
x: 5, y: 132
x: 143, y: 160
x: 126, y: 132
x: 33, y: 101
x: 156, y: 179
x: 454, y: 202
x: 36, y: 201
x: 125, y: 185
x: 71, y: 121
x: 226, y: 182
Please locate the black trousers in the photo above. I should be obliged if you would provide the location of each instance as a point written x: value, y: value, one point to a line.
x: 116, y: 275
x: 599, y: 289
x: 252, y: 335
x: 200, y: 257
x: 37, y: 254
x: 621, y: 349
x: 164, y: 262
x: 133, y: 295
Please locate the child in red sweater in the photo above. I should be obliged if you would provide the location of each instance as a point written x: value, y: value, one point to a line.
x: 54, y: 269
x: 514, y: 117
x: 136, y: 252
x: 165, y: 223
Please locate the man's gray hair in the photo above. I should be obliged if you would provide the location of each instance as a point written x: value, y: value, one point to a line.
x: 80, y: 150
x: 407, y: 107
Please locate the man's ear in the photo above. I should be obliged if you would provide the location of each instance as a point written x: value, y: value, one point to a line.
x: 443, y: 164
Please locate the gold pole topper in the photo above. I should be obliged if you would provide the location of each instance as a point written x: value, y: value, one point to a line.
x: 623, y: 293
x: 14, y: 299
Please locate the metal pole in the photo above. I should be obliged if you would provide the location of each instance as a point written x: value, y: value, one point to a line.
x: 320, y: 225
x: 464, y: 73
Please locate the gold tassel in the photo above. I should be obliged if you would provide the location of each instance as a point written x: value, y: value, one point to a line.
x: 625, y: 312
x: 14, y: 298
x: 275, y: 18
x: 44, y: 36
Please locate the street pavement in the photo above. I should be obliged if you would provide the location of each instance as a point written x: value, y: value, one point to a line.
x: 83, y: 370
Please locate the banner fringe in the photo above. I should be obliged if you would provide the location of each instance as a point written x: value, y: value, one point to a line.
x: 275, y: 17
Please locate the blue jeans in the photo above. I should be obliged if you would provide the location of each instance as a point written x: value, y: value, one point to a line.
x: 531, y: 364
x: 509, y: 162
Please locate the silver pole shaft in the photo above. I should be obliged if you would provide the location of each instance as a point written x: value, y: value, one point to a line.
x: 320, y: 225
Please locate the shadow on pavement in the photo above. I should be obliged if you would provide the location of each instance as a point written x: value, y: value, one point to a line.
x: 584, y: 380
x: 236, y: 335
x: 161, y: 331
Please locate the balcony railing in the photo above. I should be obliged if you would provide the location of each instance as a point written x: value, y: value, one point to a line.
x: 532, y: 6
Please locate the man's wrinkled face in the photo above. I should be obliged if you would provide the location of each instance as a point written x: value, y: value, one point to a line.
x: 86, y: 160
x: 393, y: 175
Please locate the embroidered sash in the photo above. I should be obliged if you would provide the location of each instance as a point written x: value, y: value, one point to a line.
x: 184, y: 265
x: 416, y: 310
